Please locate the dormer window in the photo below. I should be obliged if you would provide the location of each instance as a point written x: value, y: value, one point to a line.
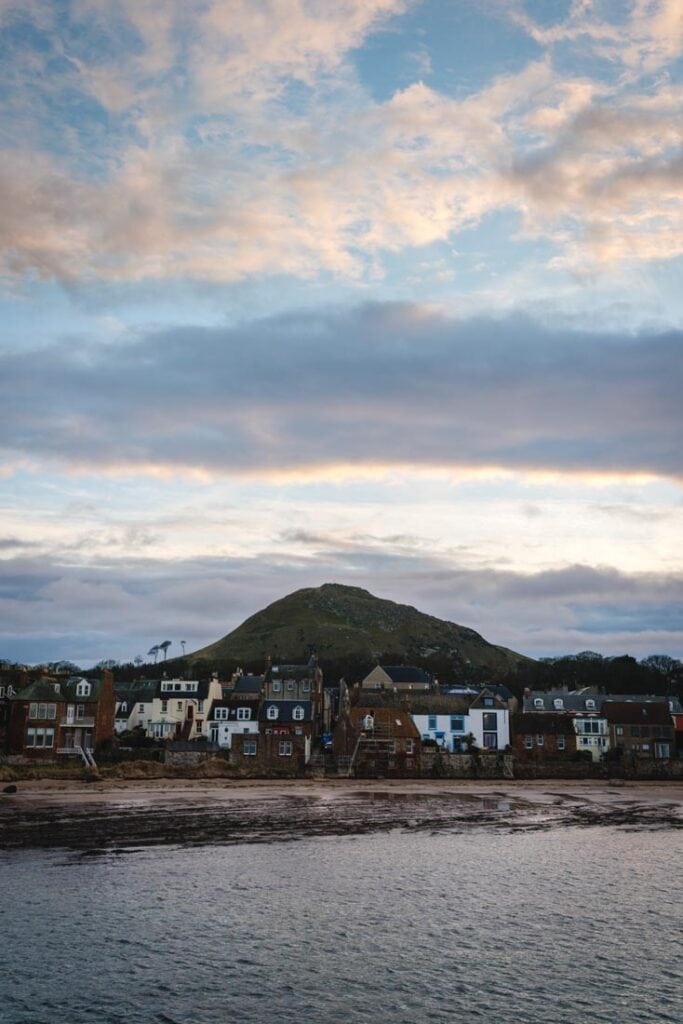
x: 83, y: 688
x: 558, y: 704
x: 272, y: 712
x: 590, y: 704
x: 298, y: 714
x: 277, y: 685
x: 538, y: 702
x: 243, y: 714
x: 124, y: 706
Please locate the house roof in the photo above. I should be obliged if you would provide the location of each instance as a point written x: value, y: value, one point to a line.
x: 634, y: 712
x: 285, y: 710
x: 233, y: 707
x: 248, y: 684
x: 425, y: 704
x: 45, y: 690
x: 406, y: 674
x: 543, y: 723
x: 576, y: 702
x: 394, y: 721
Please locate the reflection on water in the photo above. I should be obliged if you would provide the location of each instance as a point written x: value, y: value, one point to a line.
x: 567, y: 925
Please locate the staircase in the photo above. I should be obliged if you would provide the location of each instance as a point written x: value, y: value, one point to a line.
x: 87, y: 755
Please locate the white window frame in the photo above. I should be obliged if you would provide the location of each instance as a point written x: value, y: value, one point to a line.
x: 272, y: 713
x: 243, y: 714
x: 249, y: 748
x: 538, y: 702
x: 285, y: 748
x: 298, y: 713
x: 221, y: 714
x: 562, y: 742
x: 528, y: 742
x: 83, y: 688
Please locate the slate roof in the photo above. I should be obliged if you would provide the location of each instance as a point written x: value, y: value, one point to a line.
x: 248, y: 684
x: 575, y: 702
x: 44, y: 690
x: 406, y: 674
x: 233, y: 706
x: 285, y: 709
x: 631, y: 712
x: 543, y: 723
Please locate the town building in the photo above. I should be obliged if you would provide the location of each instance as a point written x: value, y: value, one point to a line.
x: 378, y: 740
x: 640, y: 729
x: 541, y: 736
x: 398, y: 677
x: 72, y: 716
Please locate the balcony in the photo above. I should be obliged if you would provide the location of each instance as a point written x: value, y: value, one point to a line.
x: 77, y: 723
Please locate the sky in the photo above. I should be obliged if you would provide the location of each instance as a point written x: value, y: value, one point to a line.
x: 378, y: 292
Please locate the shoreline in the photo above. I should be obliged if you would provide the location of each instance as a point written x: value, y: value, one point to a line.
x: 117, y: 816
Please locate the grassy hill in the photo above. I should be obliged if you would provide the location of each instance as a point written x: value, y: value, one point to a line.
x: 350, y: 624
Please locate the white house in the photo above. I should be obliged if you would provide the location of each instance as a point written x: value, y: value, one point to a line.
x: 449, y: 720
x: 228, y: 718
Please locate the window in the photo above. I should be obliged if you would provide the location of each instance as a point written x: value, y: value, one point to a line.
x: 490, y: 721
x: 179, y: 705
x: 490, y: 740
x: 80, y: 711
x: 164, y: 707
x: 277, y: 685
x: 176, y: 687
x: 243, y: 714
x: 285, y: 748
x: 561, y: 742
x: 590, y: 727
x: 124, y: 706
x: 249, y: 748
x: 198, y: 724
x: 488, y: 702
x: 619, y: 730
x: 83, y: 688
x: 290, y: 684
x: 528, y: 742
x: 635, y: 730
x: 40, y: 737
x: 200, y: 707
x: 457, y: 723
x: 540, y: 739
x: 42, y: 711
x: 409, y: 746
x: 646, y: 747
x: 141, y: 709
x: 645, y: 730
x: 432, y: 722
x: 558, y: 704
x: 590, y: 704
x: 272, y: 713
x: 538, y: 702
x: 306, y: 685
x: 298, y: 714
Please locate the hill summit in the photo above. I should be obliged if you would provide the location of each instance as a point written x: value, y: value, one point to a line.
x: 348, y: 623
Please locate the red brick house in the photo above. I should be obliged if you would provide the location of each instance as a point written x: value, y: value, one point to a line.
x: 543, y: 736
x: 378, y: 741
x: 640, y: 729
x: 49, y: 718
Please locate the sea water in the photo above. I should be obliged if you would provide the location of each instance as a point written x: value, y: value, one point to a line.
x: 567, y: 925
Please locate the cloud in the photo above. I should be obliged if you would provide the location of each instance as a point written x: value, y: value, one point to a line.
x: 222, y: 141
x: 375, y: 387
x: 123, y: 606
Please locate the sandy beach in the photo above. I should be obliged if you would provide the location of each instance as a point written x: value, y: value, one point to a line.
x: 121, y: 815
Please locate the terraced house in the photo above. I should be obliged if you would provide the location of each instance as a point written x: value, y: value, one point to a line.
x: 48, y: 719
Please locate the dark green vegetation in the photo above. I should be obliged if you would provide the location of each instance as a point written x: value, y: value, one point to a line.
x: 350, y: 627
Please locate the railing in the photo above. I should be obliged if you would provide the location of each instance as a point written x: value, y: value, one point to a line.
x: 84, y: 752
x: 76, y: 723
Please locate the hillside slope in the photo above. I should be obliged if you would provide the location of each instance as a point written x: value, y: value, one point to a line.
x: 348, y: 622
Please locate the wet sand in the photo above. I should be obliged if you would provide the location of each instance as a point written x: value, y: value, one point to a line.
x: 117, y: 815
